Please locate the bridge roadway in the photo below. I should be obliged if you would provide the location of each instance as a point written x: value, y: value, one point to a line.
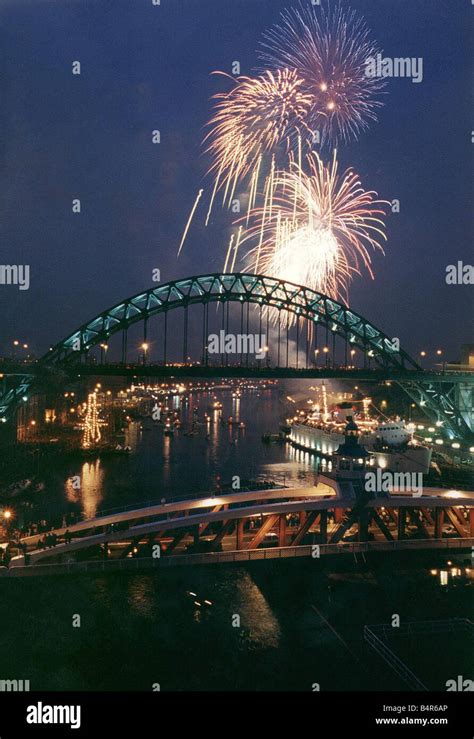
x: 184, y: 505
x: 199, y: 512
x: 260, y: 371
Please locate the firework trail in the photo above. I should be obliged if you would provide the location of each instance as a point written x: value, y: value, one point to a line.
x: 317, y: 228
x: 188, y: 224
x: 329, y: 51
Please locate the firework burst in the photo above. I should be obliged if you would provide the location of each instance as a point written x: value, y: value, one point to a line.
x: 329, y: 51
x: 255, y: 118
x: 317, y: 228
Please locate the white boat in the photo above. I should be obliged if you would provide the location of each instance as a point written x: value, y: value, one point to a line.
x: 391, y: 441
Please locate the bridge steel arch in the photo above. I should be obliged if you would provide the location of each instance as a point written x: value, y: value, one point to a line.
x: 259, y: 290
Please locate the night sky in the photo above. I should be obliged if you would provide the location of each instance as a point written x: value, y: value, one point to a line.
x: 148, y: 67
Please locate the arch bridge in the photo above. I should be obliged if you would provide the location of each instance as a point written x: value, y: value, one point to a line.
x: 306, y: 334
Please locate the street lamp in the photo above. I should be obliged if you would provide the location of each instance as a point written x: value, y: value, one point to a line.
x: 439, y: 352
x: 326, y: 352
x: 103, y: 352
x: 145, y: 349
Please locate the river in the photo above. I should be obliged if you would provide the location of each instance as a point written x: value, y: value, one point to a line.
x: 268, y: 626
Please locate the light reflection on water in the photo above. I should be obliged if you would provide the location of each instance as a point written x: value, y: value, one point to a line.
x: 257, y: 618
x: 87, y: 488
x: 185, y: 463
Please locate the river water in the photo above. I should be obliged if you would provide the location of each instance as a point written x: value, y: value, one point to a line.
x: 162, y: 466
x: 268, y: 626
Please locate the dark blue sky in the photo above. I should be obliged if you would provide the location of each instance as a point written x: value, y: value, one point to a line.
x: 147, y: 67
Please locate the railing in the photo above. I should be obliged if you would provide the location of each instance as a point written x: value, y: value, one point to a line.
x: 393, y: 661
x: 414, y: 628
x: 233, y: 556
x: 373, y: 634
x: 180, y: 498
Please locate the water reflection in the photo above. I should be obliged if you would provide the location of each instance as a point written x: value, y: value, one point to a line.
x: 204, y: 448
x: 132, y: 435
x: 87, y: 488
x: 256, y: 617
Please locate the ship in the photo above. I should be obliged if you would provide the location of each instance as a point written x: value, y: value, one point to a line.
x: 391, y: 441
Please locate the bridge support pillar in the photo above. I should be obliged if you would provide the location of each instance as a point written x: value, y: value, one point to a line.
x: 401, y: 522
x: 323, y: 527
x: 438, y: 518
x: 363, y: 525
x: 338, y: 515
x: 239, y: 534
x: 282, y: 531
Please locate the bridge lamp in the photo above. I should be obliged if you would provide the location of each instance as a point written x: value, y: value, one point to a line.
x: 326, y: 349
x: 439, y: 352
x: 7, y: 514
x: 16, y: 342
x: 423, y: 354
x: 25, y: 346
x: 455, y: 445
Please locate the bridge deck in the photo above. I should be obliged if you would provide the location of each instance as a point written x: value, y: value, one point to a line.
x: 240, y: 556
x: 189, y: 504
x: 229, y: 507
